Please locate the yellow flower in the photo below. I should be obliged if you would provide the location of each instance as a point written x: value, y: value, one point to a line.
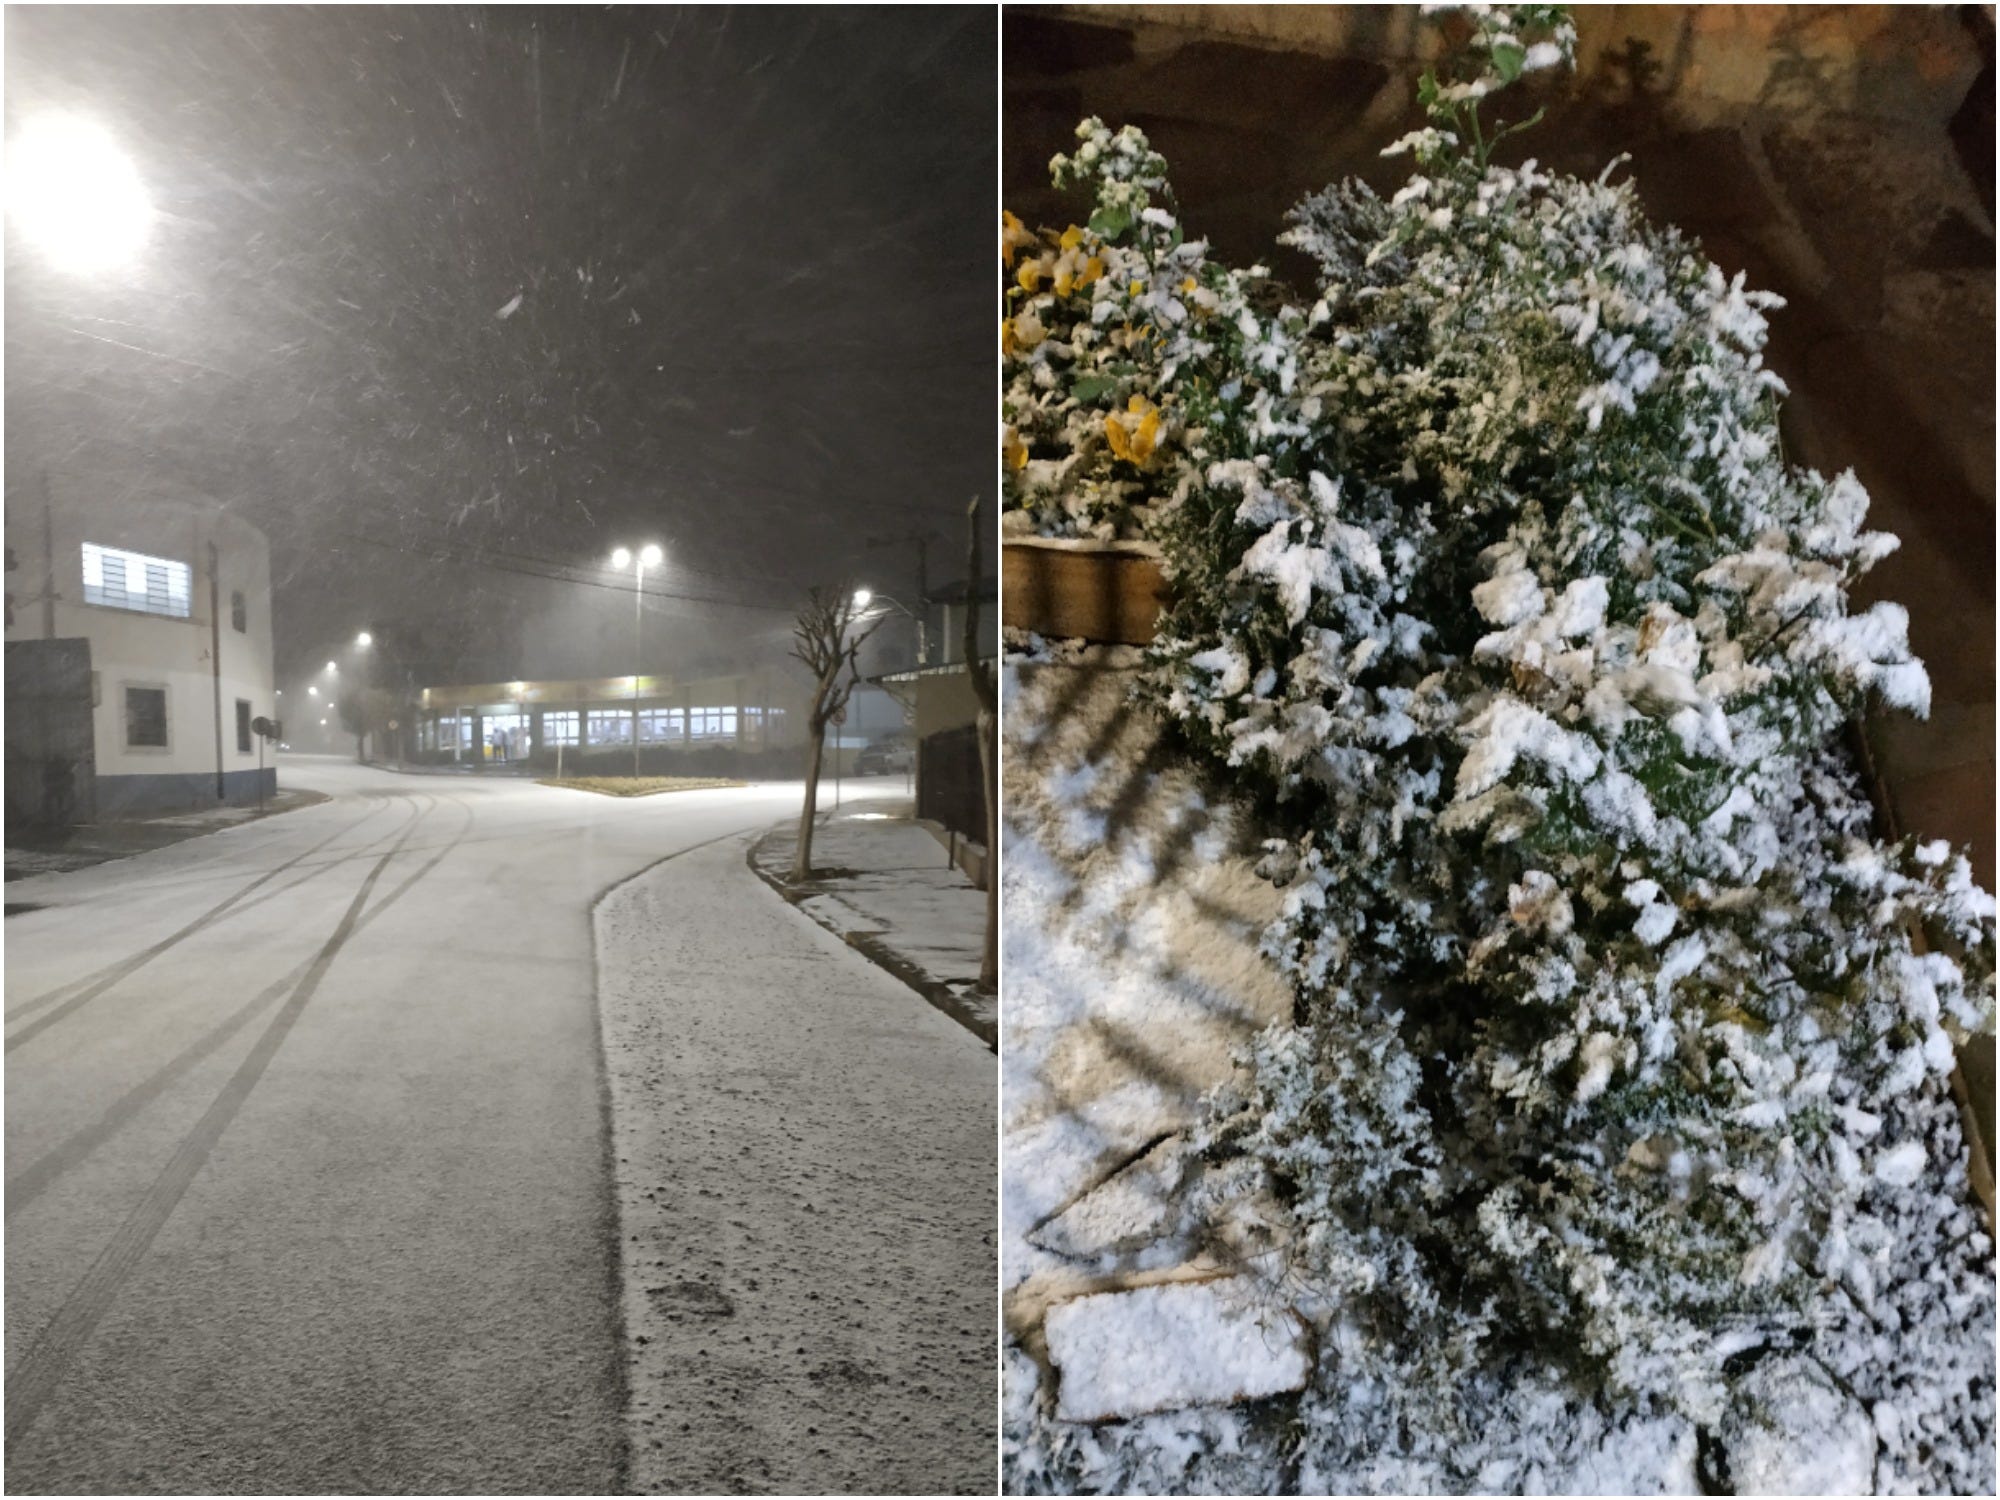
x: 1006, y: 336
x: 1188, y: 285
x: 1030, y: 276
x: 1013, y: 452
x: 1134, y: 432
x: 1013, y: 234
x: 1137, y: 287
x: 1075, y: 267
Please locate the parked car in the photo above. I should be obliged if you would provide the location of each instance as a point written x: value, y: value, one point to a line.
x: 884, y: 757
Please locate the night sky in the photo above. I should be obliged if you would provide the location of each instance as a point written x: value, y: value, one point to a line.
x: 750, y: 251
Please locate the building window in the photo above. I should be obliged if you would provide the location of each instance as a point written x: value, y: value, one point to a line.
x: 242, y: 722
x: 712, y: 723
x: 131, y: 580
x: 559, y: 729
x: 239, y: 614
x: 610, y: 726
x: 657, y: 725
x: 146, y: 718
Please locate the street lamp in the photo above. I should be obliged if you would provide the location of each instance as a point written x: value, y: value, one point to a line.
x: 333, y: 669
x: 649, y: 557
x: 863, y: 598
x: 364, y: 639
x: 75, y: 194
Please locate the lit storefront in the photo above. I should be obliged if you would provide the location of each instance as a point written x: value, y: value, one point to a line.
x: 752, y: 712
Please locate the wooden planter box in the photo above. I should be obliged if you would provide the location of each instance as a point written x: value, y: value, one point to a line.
x: 1109, y: 592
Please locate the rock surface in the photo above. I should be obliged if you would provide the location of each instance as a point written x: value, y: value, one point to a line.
x: 1159, y: 1348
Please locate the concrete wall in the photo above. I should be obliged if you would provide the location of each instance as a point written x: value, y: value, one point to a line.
x: 945, y: 700
x: 126, y: 796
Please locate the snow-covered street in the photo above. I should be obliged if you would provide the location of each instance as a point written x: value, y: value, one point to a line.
x: 307, y: 1177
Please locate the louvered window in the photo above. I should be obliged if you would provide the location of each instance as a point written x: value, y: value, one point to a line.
x: 132, y: 580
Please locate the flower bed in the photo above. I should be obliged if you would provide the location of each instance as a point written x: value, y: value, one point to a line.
x: 638, y: 786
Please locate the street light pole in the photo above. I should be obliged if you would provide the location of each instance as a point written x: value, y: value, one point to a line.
x: 647, y: 557
x: 866, y: 598
x: 638, y: 652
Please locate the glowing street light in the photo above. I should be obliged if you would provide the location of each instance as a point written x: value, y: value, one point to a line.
x: 312, y: 692
x: 75, y: 195
x: 332, y: 668
x: 364, y: 639
x: 865, y: 597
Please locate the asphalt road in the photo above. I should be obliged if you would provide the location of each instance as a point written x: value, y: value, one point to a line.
x: 307, y: 1186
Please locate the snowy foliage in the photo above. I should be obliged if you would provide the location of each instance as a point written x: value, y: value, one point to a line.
x: 1621, y: 1060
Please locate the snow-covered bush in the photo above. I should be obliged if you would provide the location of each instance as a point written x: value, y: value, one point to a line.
x: 1621, y: 1057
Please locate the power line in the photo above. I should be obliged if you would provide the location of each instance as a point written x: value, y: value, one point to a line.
x: 473, y: 559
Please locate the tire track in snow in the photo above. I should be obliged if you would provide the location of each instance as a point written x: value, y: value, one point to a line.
x: 48, y: 1359
x: 25, y: 1186
x: 81, y: 991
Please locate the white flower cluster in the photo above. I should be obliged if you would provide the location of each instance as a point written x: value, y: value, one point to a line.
x: 1622, y: 1049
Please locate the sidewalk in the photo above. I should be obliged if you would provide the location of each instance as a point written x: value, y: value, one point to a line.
x: 63, y: 850
x: 803, y: 1156
x: 886, y: 887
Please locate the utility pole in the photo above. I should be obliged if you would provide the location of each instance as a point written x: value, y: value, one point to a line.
x: 48, y: 562
x: 215, y: 656
x: 921, y: 540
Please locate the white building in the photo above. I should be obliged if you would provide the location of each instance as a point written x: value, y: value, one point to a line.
x: 172, y: 597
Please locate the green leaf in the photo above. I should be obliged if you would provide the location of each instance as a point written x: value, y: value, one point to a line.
x: 1109, y: 223
x: 1508, y: 59
x: 1091, y: 387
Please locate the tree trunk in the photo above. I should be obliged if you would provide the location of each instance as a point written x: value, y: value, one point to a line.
x: 986, y: 724
x: 802, y: 861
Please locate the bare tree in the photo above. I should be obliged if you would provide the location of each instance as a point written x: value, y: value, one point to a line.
x: 829, y: 634
x: 366, y: 713
x: 985, y: 688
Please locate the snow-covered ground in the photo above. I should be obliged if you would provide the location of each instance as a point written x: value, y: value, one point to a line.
x: 804, y: 1165
x: 308, y: 1187
x: 883, y: 879
x: 1131, y: 973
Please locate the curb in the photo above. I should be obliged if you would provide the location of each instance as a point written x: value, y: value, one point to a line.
x: 939, y: 994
